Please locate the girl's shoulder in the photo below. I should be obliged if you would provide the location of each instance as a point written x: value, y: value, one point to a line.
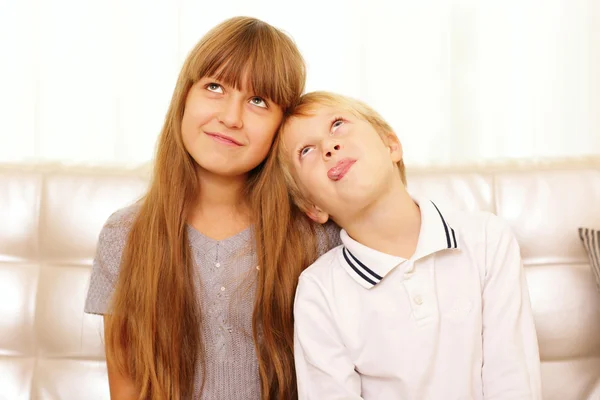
x: 328, y: 237
x: 114, y: 232
x: 107, y: 261
x: 122, y: 218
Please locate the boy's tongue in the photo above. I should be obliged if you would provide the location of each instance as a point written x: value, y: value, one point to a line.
x: 338, y: 171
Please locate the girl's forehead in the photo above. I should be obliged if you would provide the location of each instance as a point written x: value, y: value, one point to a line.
x: 253, y: 82
x: 240, y: 79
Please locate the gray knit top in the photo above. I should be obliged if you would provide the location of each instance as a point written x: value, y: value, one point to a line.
x: 226, y: 273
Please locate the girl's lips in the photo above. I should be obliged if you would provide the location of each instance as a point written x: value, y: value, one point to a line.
x: 339, y: 170
x: 223, y: 139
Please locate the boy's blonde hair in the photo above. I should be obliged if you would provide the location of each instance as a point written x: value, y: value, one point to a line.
x: 306, y: 107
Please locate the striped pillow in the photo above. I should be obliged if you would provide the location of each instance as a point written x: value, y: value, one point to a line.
x: 591, y: 242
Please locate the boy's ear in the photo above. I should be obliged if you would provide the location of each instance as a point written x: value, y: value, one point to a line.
x: 316, y: 214
x: 395, y: 147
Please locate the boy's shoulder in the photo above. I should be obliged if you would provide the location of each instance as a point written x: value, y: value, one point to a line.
x: 474, y: 228
x: 323, y: 266
x: 476, y: 225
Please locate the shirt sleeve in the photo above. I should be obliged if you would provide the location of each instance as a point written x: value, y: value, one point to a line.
x: 106, y: 263
x: 324, y: 368
x: 511, y: 363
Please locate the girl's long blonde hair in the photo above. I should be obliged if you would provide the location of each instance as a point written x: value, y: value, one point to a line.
x: 154, y: 331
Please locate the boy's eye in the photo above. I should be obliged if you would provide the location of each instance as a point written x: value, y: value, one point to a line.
x: 337, y: 122
x: 259, y: 102
x: 304, y: 151
x: 214, y: 87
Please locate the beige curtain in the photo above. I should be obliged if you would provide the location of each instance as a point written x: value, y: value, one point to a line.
x: 461, y: 81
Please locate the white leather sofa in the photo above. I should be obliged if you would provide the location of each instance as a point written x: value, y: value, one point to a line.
x: 50, y: 217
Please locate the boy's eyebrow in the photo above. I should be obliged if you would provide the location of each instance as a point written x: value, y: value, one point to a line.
x: 338, y: 112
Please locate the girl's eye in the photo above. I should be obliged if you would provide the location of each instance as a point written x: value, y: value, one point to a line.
x: 214, y: 87
x: 304, y: 151
x: 257, y: 101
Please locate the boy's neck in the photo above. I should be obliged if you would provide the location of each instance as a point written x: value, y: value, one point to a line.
x: 391, y: 225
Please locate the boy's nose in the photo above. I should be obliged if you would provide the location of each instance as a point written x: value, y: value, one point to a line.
x: 334, y: 147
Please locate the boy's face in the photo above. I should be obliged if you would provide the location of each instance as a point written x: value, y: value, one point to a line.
x: 339, y: 161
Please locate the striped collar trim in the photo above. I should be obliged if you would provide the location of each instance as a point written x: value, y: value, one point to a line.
x: 450, y: 234
x: 360, y: 269
x: 368, y: 267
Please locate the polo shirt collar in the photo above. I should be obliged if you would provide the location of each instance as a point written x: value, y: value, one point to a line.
x: 368, y: 267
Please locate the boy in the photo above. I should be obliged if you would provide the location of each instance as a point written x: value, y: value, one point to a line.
x: 419, y: 302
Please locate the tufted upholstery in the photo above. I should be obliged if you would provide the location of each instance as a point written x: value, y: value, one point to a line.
x: 50, y: 217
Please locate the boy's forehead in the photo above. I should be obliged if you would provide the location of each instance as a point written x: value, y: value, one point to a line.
x: 311, y: 120
x: 298, y: 126
x: 322, y: 110
x: 293, y: 128
x: 316, y: 114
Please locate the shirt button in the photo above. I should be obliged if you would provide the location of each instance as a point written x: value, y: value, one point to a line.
x: 418, y: 300
x: 222, y: 288
x: 217, y: 265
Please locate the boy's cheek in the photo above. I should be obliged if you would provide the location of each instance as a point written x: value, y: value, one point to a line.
x: 309, y: 188
x: 302, y: 176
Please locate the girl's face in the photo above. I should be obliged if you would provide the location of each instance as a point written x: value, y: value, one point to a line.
x: 228, y: 131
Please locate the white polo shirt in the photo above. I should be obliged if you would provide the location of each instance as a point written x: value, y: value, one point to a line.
x: 452, y: 322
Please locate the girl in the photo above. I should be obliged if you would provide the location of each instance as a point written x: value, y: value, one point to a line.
x: 196, y: 281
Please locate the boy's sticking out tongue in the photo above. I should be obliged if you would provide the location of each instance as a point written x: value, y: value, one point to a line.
x: 340, y: 169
